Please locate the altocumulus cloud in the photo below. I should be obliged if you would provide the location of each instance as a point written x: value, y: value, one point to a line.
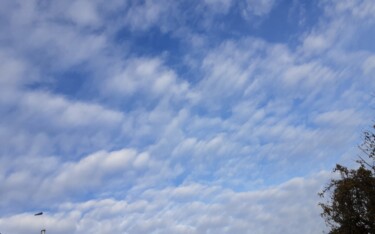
x: 179, y: 117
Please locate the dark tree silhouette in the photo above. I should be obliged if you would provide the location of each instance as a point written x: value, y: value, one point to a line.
x: 350, y: 208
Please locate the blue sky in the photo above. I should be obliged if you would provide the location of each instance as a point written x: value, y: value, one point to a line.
x: 212, y: 116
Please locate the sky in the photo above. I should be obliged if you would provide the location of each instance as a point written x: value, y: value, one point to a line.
x: 185, y: 117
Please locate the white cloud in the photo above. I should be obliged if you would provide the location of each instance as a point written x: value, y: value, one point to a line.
x: 91, y: 171
x: 35, y: 26
x: 83, y: 12
x: 316, y: 43
x: 149, y: 14
x: 308, y: 74
x: 196, y: 155
x: 191, y: 208
x: 35, y: 224
x: 343, y: 118
x: 15, y: 72
x: 63, y: 113
x: 369, y: 65
x: 362, y: 9
x: 258, y: 8
x: 67, y: 44
x: 219, y: 6
x: 340, y: 28
x: 244, y: 69
x: 147, y: 77
x: 43, y: 123
x: 50, y: 180
x: 228, y: 70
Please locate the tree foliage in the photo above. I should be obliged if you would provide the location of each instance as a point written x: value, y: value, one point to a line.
x: 351, y: 205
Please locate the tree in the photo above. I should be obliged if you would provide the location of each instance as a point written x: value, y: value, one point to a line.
x: 350, y: 208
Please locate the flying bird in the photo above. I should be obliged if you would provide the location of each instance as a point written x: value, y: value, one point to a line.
x: 40, y: 213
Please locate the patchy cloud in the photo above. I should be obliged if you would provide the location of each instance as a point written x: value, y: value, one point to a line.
x: 178, y: 117
x: 192, y: 208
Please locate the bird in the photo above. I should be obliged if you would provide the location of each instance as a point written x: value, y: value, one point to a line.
x: 40, y: 213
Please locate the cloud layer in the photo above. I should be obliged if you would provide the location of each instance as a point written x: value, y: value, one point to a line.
x: 179, y: 117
